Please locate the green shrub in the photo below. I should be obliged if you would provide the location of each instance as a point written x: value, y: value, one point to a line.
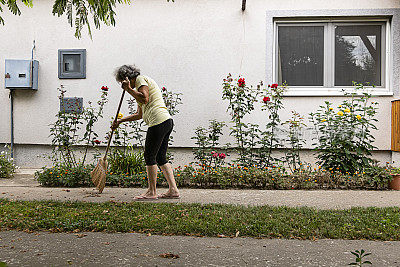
x: 344, y: 140
x: 234, y: 176
x: 207, y: 140
x: 277, y: 177
x: 7, y: 166
x: 71, y: 130
x: 62, y: 176
x: 241, y: 102
x: 65, y: 176
x: 126, y: 161
x: 379, y: 177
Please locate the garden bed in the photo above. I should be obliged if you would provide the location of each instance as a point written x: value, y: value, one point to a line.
x: 231, y: 177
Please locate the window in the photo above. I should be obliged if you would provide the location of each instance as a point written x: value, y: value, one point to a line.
x: 72, y: 64
x: 331, y: 54
x: 301, y: 55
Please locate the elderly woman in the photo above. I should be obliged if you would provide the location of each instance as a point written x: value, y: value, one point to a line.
x: 152, y: 109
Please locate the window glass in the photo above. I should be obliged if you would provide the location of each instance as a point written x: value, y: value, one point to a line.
x: 301, y: 55
x: 71, y: 63
x: 358, y: 54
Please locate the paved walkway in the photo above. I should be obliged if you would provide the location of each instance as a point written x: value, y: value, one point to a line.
x: 24, y: 187
x: 101, y: 249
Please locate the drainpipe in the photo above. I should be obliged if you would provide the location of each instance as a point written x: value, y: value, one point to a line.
x: 12, y: 122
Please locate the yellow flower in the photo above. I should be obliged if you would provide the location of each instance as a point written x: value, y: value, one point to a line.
x: 358, y: 117
x: 330, y: 108
x: 340, y: 106
x: 340, y: 113
x: 347, y: 110
x: 323, y: 120
x: 120, y: 115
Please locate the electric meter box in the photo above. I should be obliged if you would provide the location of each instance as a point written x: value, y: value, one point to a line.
x: 21, y: 74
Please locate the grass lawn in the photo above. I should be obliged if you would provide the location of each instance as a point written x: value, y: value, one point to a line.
x: 201, y: 220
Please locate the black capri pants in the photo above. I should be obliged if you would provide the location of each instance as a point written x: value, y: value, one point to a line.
x: 156, y: 145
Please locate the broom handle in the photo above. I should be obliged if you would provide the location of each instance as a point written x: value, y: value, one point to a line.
x: 116, y: 117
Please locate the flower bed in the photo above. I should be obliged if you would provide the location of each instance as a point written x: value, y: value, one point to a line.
x: 234, y: 176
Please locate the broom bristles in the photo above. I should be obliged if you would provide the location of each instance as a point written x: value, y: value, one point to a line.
x: 99, y: 174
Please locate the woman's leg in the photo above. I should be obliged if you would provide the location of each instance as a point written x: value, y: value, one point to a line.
x: 165, y: 167
x: 152, y: 180
x: 169, y: 175
x: 154, y: 138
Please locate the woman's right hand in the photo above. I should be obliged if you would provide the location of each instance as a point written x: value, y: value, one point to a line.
x: 115, y: 124
x: 126, y: 84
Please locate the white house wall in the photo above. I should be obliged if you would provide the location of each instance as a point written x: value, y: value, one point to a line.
x: 188, y: 46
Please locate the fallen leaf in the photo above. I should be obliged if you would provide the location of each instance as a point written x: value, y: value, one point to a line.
x: 169, y: 256
x: 149, y: 234
x: 80, y: 235
x: 221, y: 236
x: 237, y: 233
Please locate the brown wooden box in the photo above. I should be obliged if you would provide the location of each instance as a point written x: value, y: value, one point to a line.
x: 396, y: 125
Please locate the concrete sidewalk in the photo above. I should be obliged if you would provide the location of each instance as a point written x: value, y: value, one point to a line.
x: 24, y: 187
x: 129, y: 249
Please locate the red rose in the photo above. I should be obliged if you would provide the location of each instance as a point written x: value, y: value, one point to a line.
x: 164, y: 89
x: 97, y: 141
x: 222, y: 156
x: 266, y: 99
x: 241, y: 82
x: 275, y: 85
x: 104, y: 88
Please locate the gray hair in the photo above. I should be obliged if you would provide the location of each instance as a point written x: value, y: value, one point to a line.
x: 130, y: 71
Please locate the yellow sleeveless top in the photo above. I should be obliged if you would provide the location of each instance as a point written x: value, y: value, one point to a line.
x: 155, y: 111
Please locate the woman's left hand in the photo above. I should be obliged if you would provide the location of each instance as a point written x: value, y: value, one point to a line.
x: 126, y: 84
x: 115, y: 124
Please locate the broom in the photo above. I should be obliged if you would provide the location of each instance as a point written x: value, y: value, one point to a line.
x: 99, y: 173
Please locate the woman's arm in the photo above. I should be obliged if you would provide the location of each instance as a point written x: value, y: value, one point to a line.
x: 141, y: 95
x: 134, y: 117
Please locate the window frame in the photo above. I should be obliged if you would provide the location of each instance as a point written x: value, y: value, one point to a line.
x: 74, y: 75
x: 329, y: 24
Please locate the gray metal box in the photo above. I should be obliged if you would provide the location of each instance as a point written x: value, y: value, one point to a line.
x: 71, y: 105
x: 21, y: 74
